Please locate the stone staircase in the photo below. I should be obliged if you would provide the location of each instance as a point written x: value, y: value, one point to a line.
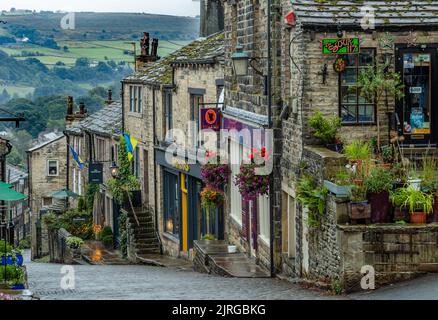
x: 144, y: 240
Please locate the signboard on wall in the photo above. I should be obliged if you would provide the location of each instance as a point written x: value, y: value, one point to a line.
x: 210, y: 119
x: 95, y: 173
x: 340, y: 46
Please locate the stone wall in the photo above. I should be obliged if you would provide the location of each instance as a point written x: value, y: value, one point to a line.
x: 395, y: 252
x: 59, y: 251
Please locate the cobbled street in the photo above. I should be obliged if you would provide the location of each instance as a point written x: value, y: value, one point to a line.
x: 138, y: 282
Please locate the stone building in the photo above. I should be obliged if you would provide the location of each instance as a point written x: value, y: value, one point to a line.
x: 95, y: 139
x: 19, y: 179
x: 47, y: 165
x: 405, y: 37
x: 160, y: 101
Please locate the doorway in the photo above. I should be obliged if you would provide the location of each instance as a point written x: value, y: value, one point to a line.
x: 418, y: 109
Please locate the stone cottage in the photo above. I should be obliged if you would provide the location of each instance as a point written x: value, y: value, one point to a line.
x: 47, y: 165
x: 95, y: 139
x: 162, y: 106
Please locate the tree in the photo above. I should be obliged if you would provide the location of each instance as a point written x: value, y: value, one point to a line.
x: 377, y: 82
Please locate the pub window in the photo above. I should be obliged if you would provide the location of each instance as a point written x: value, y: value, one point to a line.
x: 355, y: 109
x: 52, y: 167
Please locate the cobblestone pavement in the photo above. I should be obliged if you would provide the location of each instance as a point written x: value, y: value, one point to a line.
x: 146, y: 282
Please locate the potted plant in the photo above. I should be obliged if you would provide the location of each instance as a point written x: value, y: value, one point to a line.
x: 398, y: 199
x: 388, y: 156
x: 359, y: 207
x: 107, y: 237
x: 74, y: 242
x: 313, y: 197
x: 418, y: 203
x: 18, y: 257
x: 378, y: 184
x: 326, y: 129
x: 340, y: 184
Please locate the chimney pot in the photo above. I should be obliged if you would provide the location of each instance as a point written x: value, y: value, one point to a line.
x: 110, y: 95
x: 82, y: 108
x: 69, y: 105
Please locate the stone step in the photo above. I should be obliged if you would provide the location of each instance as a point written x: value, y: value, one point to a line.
x: 145, y: 235
x: 154, y: 250
x: 146, y: 244
x: 428, y: 267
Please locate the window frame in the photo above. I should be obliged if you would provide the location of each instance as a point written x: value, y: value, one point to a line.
x: 357, y: 123
x: 48, y: 168
x: 168, y: 111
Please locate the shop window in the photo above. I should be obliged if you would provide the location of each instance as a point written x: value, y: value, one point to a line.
x: 52, y: 167
x: 236, y: 198
x: 355, y: 109
x: 263, y: 209
x: 171, y: 204
x: 196, y: 100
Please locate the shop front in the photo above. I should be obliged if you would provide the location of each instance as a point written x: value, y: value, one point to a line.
x: 418, y: 109
x: 184, y: 219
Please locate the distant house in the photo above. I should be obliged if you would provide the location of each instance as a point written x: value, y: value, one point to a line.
x: 19, y: 209
x: 47, y: 173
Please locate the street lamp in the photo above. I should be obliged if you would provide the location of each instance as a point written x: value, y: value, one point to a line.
x: 240, y: 61
x: 114, y: 170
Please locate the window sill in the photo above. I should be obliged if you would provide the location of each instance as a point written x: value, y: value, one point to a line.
x: 264, y: 240
x: 135, y: 114
x: 235, y: 221
x: 170, y: 237
x: 367, y: 124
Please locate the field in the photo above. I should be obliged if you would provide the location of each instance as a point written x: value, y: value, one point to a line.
x: 20, y: 91
x: 94, y: 50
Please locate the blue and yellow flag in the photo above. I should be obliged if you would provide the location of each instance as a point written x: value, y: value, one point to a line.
x: 131, y: 144
x: 81, y: 164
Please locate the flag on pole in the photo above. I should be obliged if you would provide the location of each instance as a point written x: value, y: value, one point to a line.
x: 81, y: 164
x: 131, y: 144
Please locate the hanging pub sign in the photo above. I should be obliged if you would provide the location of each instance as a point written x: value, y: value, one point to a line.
x: 340, y: 46
x: 211, y: 119
x: 95, y: 173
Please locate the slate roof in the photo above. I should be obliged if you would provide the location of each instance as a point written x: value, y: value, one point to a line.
x: 107, y: 121
x: 202, y: 51
x: 55, y: 137
x: 14, y: 174
x: 244, y: 115
x: 348, y: 13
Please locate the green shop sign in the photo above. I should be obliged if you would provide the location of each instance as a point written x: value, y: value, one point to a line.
x: 340, y: 46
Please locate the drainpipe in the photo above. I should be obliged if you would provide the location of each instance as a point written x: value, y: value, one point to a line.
x: 270, y: 126
x: 123, y: 105
x: 154, y: 137
x: 68, y: 160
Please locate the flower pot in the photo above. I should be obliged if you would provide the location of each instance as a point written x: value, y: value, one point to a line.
x: 416, y: 183
x: 401, y: 214
x: 19, y: 259
x: 9, y: 261
x: 433, y: 216
x: 360, y: 210
x: 339, y: 191
x: 418, y: 217
x: 18, y: 287
x: 380, y: 206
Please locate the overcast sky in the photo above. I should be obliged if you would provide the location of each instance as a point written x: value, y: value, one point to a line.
x: 173, y: 7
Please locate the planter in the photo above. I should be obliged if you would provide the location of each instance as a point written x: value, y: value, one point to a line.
x: 416, y: 183
x: 418, y: 217
x: 401, y: 214
x: 380, y: 206
x: 18, y: 287
x: 19, y: 259
x: 336, y: 147
x: 433, y: 216
x: 9, y: 261
x: 360, y: 210
x: 339, y: 191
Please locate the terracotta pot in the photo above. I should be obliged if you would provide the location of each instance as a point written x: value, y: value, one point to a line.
x: 433, y: 216
x: 401, y: 215
x: 380, y: 206
x: 418, y: 217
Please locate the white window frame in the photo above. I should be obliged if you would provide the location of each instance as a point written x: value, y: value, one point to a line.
x: 48, y: 168
x: 235, y: 196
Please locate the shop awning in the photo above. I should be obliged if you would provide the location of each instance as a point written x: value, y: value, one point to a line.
x: 7, y: 194
x: 63, y: 194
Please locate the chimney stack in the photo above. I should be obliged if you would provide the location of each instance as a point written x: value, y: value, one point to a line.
x: 82, y: 110
x: 110, y: 97
x: 69, y: 105
x: 146, y: 55
x: 212, y: 17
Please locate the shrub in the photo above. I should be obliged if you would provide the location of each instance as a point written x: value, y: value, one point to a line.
x: 74, y: 242
x: 50, y: 220
x: 325, y: 128
x: 379, y: 180
x: 2, y: 247
x: 313, y: 197
x: 24, y: 244
x: 357, y: 150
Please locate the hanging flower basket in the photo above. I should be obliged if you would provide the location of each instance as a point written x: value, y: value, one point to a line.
x: 211, y: 198
x: 251, y: 185
x: 215, y: 176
